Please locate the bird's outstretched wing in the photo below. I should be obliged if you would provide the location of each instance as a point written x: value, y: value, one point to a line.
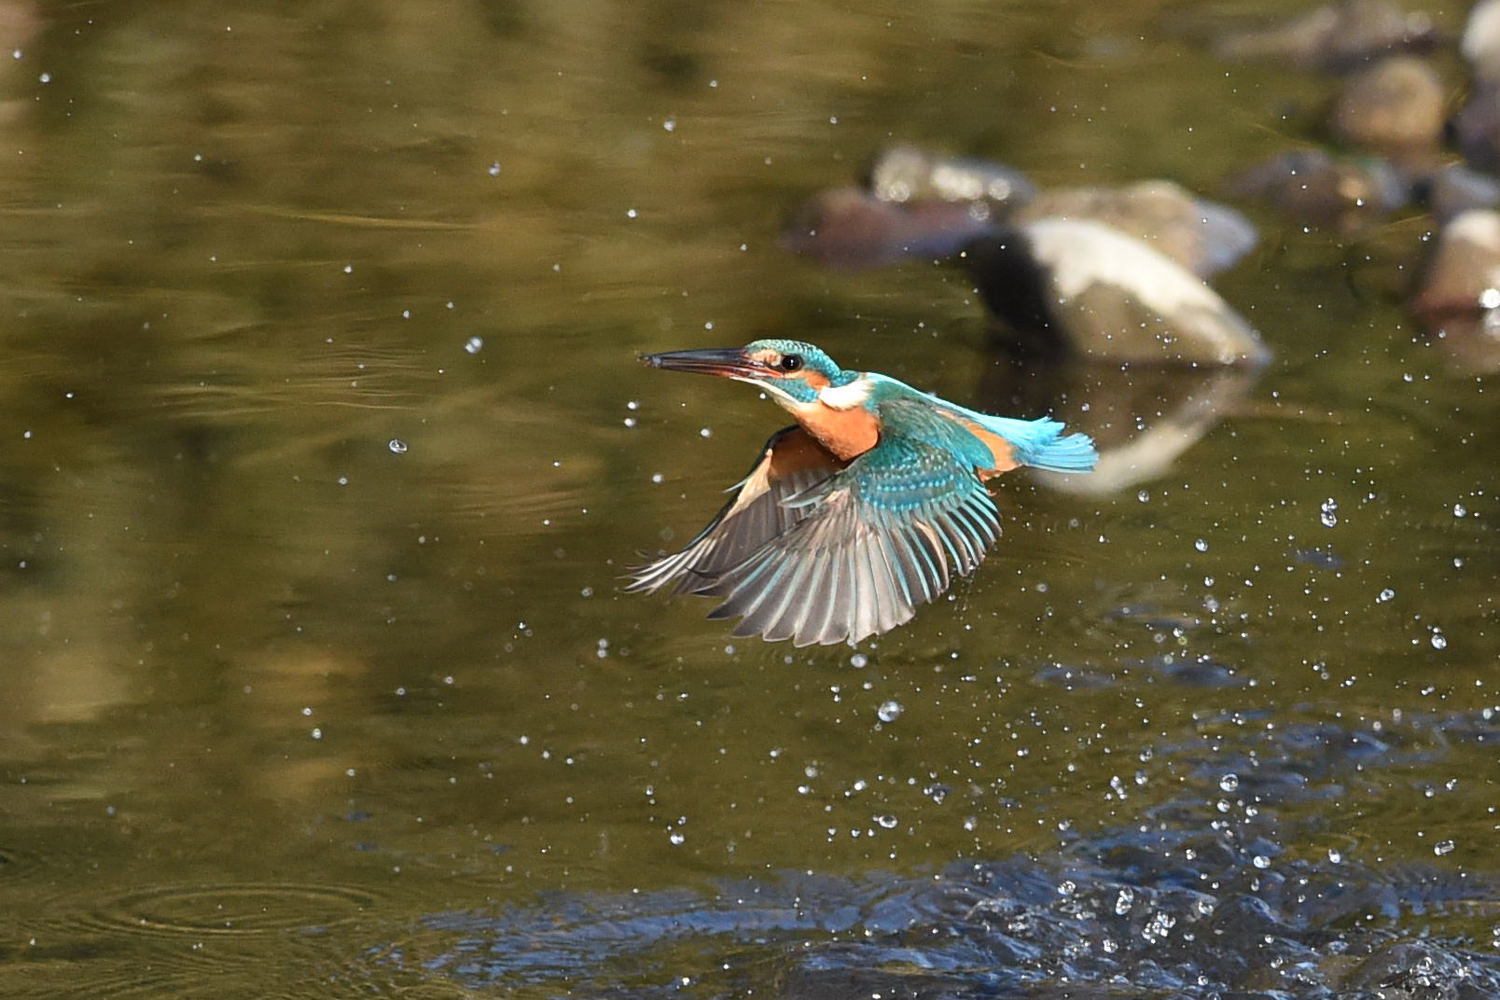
x: 791, y: 463
x: 865, y: 547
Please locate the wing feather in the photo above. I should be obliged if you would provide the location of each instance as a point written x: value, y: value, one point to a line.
x: 790, y: 464
x: 875, y: 540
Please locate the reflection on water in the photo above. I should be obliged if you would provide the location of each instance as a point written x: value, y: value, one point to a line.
x: 1141, y: 418
x: 290, y: 711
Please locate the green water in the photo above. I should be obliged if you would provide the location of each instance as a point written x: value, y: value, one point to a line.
x: 324, y: 449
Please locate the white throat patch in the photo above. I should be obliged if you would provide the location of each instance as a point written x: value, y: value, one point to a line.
x: 846, y: 397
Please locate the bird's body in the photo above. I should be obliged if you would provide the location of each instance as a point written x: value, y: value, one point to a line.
x: 868, y: 507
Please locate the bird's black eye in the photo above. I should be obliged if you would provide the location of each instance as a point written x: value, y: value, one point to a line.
x: 790, y: 362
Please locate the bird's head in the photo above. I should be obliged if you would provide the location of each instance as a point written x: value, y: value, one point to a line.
x: 791, y: 372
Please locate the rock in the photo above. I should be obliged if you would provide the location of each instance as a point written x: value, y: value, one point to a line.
x: 1464, y: 272
x: 903, y: 174
x: 1394, y: 107
x: 1336, y: 37
x: 1476, y: 129
x: 1315, y: 189
x: 1084, y: 287
x: 1480, y: 44
x: 1201, y: 235
x: 1459, y: 300
x: 1455, y: 188
x: 850, y: 229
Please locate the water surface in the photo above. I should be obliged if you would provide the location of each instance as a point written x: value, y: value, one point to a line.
x: 325, y: 448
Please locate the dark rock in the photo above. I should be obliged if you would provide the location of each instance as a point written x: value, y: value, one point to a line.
x: 1453, y: 189
x: 850, y: 229
x: 1476, y: 129
x: 1313, y: 188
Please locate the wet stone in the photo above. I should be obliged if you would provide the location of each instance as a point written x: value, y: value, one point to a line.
x: 1408, y: 970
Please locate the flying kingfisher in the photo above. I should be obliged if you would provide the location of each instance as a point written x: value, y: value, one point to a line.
x: 868, y: 507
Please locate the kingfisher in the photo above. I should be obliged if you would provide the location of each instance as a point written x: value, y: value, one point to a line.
x: 864, y: 509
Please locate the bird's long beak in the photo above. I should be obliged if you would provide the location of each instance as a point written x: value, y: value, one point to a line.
x: 729, y: 362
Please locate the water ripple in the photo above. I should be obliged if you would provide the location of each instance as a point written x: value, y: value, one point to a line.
x: 234, y: 909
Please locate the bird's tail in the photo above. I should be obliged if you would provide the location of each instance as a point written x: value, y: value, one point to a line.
x: 1042, y: 444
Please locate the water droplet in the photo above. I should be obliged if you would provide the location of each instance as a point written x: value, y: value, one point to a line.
x: 677, y: 837
x: 886, y: 821
x: 397, y: 446
x: 1439, y: 640
x: 1443, y: 847
x: 1385, y: 595
x: 630, y: 213
x: 670, y: 124
x: 705, y: 432
x: 1261, y: 861
x: 1229, y: 782
x: 889, y: 711
x: 1329, y: 512
x: 474, y: 345
x: 494, y: 169
x: 1201, y: 545
x: 1459, y: 510
x: 859, y: 661
x: 1124, y: 901
x: 1335, y: 855
x: 1157, y: 927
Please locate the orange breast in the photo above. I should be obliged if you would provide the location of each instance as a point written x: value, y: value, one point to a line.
x: 847, y: 433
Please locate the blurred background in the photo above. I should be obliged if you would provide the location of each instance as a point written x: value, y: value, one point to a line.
x: 323, y: 448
